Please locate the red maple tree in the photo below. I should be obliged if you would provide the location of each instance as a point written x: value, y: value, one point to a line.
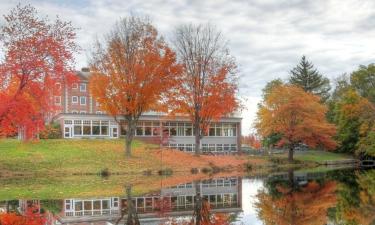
x: 38, y: 60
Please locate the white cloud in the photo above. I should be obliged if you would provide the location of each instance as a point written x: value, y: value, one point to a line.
x: 266, y: 37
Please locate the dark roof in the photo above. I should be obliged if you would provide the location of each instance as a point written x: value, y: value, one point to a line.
x: 83, y: 75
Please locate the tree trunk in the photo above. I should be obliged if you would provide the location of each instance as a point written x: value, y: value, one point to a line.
x: 198, y: 203
x: 197, y: 138
x: 129, y: 138
x: 290, y: 154
x: 132, y: 214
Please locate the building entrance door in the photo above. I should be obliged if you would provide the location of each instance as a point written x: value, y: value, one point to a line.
x: 67, y: 132
x: 114, y: 132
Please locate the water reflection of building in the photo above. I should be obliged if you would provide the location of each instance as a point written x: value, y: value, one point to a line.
x: 224, y: 195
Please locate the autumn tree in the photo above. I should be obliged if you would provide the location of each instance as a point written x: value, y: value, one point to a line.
x: 132, y: 69
x: 38, y: 54
x: 294, y: 205
x: 252, y: 141
x: 271, y: 140
x: 207, y: 85
x: 356, y: 199
x: 307, y: 77
x: 363, y: 81
x: 355, y: 119
x: 297, y: 116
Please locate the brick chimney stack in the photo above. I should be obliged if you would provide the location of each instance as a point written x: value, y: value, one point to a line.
x: 85, y: 69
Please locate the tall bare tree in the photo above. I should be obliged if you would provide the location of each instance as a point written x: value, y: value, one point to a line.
x: 208, y: 84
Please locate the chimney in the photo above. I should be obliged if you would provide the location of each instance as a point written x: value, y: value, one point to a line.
x: 85, y: 69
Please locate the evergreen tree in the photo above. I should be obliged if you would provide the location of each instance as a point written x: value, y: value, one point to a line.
x: 309, y: 78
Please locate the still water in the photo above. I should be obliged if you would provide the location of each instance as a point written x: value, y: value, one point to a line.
x: 315, y: 197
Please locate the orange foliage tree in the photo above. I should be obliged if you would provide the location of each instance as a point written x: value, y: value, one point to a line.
x: 207, y: 86
x: 132, y: 70
x: 298, y: 116
x: 308, y: 205
x: 252, y: 141
x: 38, y: 54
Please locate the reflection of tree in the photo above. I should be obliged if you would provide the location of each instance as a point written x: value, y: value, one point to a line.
x: 356, y: 199
x: 31, y: 216
x: 290, y: 204
x: 129, y: 210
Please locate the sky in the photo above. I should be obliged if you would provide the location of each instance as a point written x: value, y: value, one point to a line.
x: 267, y: 37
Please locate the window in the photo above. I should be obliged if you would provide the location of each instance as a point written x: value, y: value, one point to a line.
x: 57, y: 100
x: 188, y: 129
x: 74, y: 111
x: 82, y: 87
x: 148, y: 128
x: 104, y: 127
x: 82, y: 100
x: 58, y: 86
x: 205, y: 147
x: 77, y: 127
x: 82, y: 112
x: 95, y: 127
x: 74, y: 99
x: 75, y: 86
x: 86, y: 127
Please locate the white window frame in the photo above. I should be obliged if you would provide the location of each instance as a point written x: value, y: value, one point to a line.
x: 75, y: 86
x: 80, y: 100
x: 82, y: 87
x: 58, y: 98
x: 74, y: 111
x: 73, y: 99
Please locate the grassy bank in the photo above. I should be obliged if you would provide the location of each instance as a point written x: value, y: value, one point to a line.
x: 70, y: 157
x: 307, y: 158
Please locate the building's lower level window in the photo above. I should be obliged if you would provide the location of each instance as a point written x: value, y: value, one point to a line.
x: 215, y: 148
x: 91, y: 127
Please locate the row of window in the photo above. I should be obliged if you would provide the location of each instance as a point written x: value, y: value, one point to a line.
x: 84, y: 112
x: 180, y: 129
x: 90, y: 205
x: 149, y: 204
x: 215, y: 148
x: 82, y: 87
x: 89, y: 127
x: 219, y: 147
x: 219, y: 182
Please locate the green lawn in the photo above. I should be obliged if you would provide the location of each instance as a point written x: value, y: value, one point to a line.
x: 320, y: 156
x: 73, y: 156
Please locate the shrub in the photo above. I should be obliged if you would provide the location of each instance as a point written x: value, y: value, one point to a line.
x: 165, y: 172
x: 51, y: 131
x: 104, y: 172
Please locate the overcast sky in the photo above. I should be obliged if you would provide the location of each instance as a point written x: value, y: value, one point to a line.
x: 267, y: 37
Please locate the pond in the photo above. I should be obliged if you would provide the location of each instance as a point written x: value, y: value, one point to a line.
x: 320, y: 196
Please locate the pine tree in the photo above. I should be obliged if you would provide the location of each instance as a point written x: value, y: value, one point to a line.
x: 309, y: 78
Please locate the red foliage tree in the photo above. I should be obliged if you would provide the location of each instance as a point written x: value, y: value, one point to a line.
x: 38, y: 55
x: 208, y: 84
